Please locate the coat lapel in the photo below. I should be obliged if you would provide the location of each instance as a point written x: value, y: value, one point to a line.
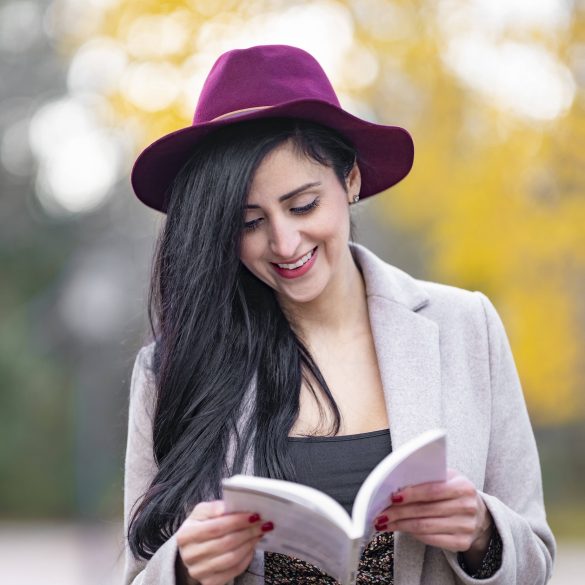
x: 407, y: 348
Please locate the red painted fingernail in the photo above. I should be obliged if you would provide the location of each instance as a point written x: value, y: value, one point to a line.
x: 382, y: 519
x: 254, y: 518
x: 267, y: 527
x: 379, y: 527
x: 397, y: 499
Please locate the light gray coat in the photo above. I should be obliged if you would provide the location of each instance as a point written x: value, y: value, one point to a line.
x: 445, y: 361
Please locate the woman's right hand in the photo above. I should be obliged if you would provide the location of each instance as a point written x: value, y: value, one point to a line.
x: 214, y: 546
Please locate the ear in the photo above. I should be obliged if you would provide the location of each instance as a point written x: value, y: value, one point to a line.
x: 353, y: 182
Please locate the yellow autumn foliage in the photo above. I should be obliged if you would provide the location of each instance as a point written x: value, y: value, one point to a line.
x: 499, y: 198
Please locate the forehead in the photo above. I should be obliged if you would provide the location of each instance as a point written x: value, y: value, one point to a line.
x: 284, y: 169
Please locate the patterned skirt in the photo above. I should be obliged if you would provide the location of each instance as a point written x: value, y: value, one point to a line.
x: 376, y: 566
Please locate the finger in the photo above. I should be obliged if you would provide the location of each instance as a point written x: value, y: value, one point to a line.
x: 237, y: 519
x: 416, y: 510
x: 467, y: 506
x: 382, y: 518
x: 203, y: 530
x: 227, y: 576
x: 194, y: 552
x: 464, y: 525
x: 456, y: 487
x: 226, y: 561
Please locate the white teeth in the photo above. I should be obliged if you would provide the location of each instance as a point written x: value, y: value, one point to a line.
x: 298, y: 263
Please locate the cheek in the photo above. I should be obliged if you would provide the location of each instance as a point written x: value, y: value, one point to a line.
x: 250, y: 252
x: 338, y: 225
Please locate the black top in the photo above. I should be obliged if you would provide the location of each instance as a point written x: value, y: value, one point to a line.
x: 338, y: 465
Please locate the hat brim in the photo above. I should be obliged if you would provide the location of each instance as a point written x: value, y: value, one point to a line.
x: 385, y: 153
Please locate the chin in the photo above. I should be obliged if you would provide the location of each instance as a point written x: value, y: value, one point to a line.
x: 300, y: 298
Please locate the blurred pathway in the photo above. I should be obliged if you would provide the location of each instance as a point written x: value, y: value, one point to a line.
x: 31, y: 554
x: 91, y: 555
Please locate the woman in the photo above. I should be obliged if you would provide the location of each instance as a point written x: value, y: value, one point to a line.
x: 278, y: 343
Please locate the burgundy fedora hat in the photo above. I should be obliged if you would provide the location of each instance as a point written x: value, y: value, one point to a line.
x: 263, y: 82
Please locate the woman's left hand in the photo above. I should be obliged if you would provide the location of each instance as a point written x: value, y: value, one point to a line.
x: 449, y: 515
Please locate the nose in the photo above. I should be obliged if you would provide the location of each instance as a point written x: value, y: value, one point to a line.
x: 284, y: 239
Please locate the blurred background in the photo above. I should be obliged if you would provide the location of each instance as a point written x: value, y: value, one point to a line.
x: 493, y: 92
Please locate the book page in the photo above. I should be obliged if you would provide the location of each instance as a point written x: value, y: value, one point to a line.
x: 303, y: 495
x: 298, y: 531
x: 421, y: 460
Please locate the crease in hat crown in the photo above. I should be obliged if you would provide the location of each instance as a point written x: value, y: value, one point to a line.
x: 271, y: 81
x: 278, y: 73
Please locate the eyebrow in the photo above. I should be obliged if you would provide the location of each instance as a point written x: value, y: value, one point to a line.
x: 289, y: 194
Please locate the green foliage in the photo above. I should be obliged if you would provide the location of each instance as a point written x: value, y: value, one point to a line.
x: 35, y: 418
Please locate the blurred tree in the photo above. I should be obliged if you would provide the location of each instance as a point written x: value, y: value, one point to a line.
x: 501, y: 199
x: 35, y: 388
x: 55, y: 394
x: 497, y: 195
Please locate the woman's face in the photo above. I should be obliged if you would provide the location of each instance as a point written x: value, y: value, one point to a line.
x: 296, y: 232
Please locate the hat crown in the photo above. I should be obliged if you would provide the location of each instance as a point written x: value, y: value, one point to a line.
x: 261, y: 76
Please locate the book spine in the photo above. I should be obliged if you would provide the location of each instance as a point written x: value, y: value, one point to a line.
x: 354, y: 561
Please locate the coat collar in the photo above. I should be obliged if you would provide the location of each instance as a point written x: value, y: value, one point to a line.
x: 386, y: 281
x: 408, y: 352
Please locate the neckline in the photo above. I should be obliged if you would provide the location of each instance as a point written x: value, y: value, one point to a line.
x: 357, y: 436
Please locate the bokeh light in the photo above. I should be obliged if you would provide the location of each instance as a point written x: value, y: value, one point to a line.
x: 94, y: 301
x: 79, y: 161
x: 151, y: 86
x: 524, y: 78
x: 97, y: 67
x: 162, y: 35
x: 520, y: 75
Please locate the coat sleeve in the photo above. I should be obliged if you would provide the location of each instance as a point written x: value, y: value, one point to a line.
x: 139, y: 470
x: 513, y: 483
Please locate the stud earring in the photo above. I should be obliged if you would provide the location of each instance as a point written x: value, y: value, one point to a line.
x: 355, y: 199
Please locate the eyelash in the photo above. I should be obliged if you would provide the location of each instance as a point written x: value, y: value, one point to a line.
x: 306, y: 208
x: 255, y: 223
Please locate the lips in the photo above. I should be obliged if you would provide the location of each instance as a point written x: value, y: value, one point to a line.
x: 297, y: 268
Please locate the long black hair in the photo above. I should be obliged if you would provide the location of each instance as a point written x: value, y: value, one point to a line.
x: 218, y: 329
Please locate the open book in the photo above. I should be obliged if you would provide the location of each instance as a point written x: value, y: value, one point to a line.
x: 312, y: 526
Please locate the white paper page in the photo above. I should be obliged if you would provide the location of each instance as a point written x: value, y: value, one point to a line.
x: 304, y: 495
x: 297, y: 531
x: 424, y: 460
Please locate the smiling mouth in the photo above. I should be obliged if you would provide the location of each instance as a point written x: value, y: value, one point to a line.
x: 300, y: 262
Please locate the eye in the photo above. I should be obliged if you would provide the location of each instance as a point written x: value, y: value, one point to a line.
x: 250, y: 226
x: 305, y: 208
